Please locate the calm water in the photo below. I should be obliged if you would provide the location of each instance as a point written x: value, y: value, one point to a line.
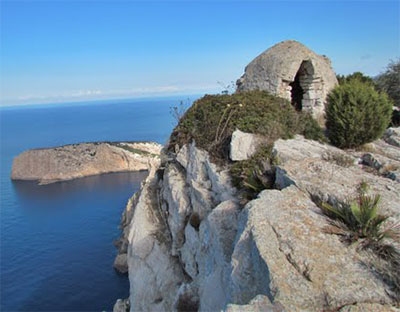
x: 56, y: 240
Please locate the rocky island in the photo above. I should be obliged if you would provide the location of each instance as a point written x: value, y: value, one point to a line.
x: 73, y: 161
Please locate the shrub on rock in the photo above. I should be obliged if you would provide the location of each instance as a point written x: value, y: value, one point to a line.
x: 356, y: 114
x: 212, y: 119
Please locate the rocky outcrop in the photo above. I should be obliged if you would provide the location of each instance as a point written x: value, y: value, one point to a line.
x: 292, y: 71
x: 392, y: 136
x: 80, y: 160
x: 332, y: 174
x: 122, y: 305
x: 191, y: 246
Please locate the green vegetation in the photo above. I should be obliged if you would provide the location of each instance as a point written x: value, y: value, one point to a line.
x: 355, y: 76
x: 255, y: 174
x: 358, y: 220
x: 389, y: 82
x: 356, y: 114
x: 212, y: 119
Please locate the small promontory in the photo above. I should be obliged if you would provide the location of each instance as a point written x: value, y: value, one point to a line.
x: 48, y: 165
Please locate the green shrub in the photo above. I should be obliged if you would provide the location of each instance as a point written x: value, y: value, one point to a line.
x: 356, y: 114
x: 355, y: 76
x: 310, y: 129
x: 389, y: 81
x: 255, y: 174
x: 212, y: 119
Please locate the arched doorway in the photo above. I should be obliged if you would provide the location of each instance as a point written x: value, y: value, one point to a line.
x: 296, y: 92
x: 303, y: 95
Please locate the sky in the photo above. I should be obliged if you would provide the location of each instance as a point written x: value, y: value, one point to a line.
x: 69, y: 50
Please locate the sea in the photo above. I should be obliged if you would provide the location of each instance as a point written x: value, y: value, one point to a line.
x: 56, y: 240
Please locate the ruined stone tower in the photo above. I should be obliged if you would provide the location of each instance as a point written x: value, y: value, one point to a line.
x: 292, y: 71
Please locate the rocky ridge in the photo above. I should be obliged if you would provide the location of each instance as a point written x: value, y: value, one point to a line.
x: 190, y: 245
x: 69, y: 162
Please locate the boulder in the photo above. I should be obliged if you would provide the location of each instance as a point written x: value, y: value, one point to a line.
x: 243, y: 145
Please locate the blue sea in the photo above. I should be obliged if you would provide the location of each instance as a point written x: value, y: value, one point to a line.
x: 57, y: 240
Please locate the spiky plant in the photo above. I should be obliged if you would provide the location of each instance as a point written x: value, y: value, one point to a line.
x: 359, y: 220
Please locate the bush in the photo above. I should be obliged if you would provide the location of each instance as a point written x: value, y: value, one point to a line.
x: 212, y: 119
x: 389, y: 81
x: 356, y: 114
x: 355, y: 76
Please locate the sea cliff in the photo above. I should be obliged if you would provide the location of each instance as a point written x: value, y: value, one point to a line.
x: 73, y: 161
x: 190, y: 244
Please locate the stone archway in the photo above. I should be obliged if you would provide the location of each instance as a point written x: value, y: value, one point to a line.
x: 296, y: 92
x: 306, y: 92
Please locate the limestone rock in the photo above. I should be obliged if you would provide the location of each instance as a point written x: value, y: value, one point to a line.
x: 243, y: 145
x: 292, y: 71
x: 121, y: 263
x: 155, y: 275
x: 392, y: 136
x: 260, y: 303
x: 323, y: 171
x: 80, y: 160
x: 192, y: 247
x: 121, y: 305
x: 306, y: 265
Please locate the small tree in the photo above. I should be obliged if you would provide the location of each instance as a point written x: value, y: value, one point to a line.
x: 355, y: 76
x: 389, y: 81
x: 356, y: 114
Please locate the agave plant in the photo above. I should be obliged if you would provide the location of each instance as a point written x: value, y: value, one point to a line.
x: 364, y: 210
x: 360, y: 220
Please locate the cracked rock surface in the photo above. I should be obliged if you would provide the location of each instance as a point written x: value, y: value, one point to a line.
x: 191, y: 246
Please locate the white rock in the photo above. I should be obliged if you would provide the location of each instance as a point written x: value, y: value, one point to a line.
x: 243, y: 145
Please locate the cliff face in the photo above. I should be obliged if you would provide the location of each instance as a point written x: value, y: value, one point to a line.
x: 190, y: 245
x: 79, y: 160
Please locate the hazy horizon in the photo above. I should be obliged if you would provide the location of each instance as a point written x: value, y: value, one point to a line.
x: 68, y: 51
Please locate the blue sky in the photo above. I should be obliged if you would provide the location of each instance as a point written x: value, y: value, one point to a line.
x: 54, y: 51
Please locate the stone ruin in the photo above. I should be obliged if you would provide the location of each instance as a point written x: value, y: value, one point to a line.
x: 292, y: 71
